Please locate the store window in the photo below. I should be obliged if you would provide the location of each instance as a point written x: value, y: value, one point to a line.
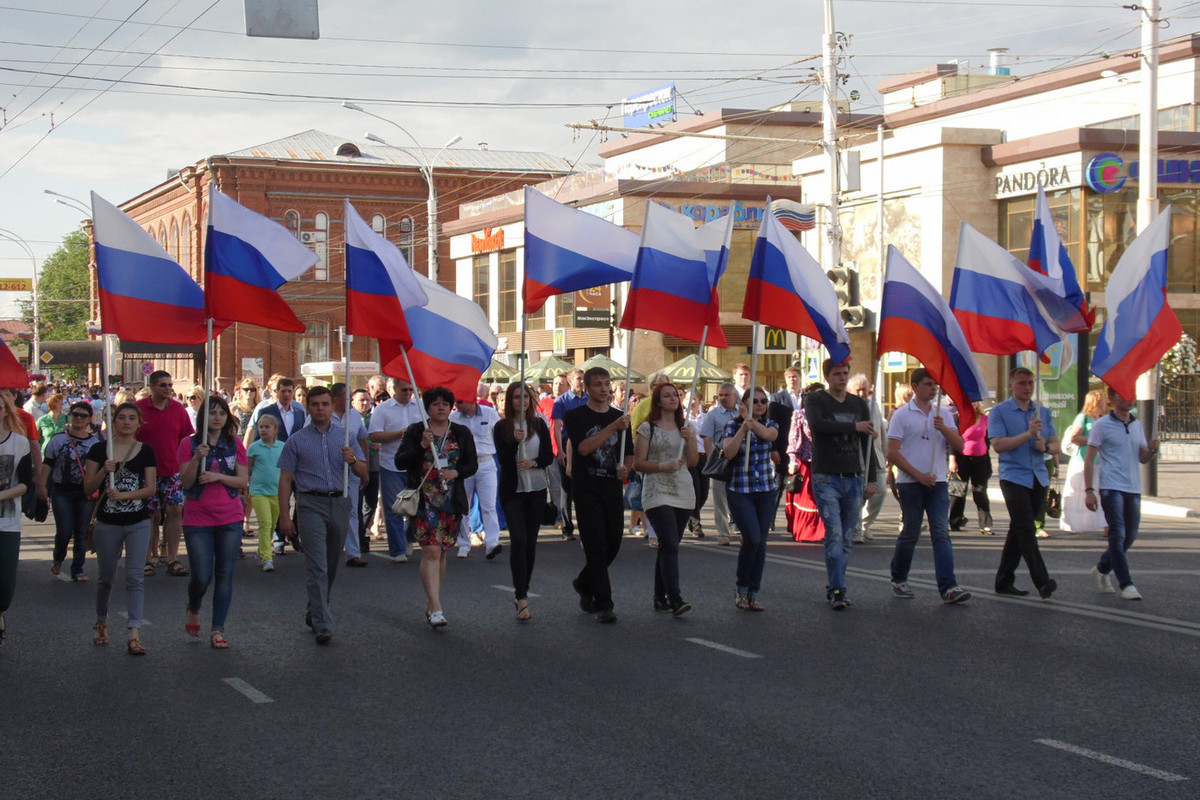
x: 506, y: 297
x: 314, y: 342
x: 564, y: 307
x: 481, y: 286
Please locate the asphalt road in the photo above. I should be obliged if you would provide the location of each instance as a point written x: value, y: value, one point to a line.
x: 1084, y: 696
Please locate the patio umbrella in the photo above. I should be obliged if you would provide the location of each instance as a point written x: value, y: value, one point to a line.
x: 616, y: 371
x: 546, y: 369
x: 684, y: 371
x: 498, y: 372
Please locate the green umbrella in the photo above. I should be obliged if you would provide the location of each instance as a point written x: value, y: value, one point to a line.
x: 684, y: 371
x: 498, y: 372
x: 616, y: 371
x: 545, y: 369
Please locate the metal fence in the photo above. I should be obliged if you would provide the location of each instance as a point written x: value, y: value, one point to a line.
x: 1180, y: 408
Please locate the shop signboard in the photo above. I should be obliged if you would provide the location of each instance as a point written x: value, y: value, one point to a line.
x: 593, y: 307
x: 649, y: 108
x: 1059, y: 380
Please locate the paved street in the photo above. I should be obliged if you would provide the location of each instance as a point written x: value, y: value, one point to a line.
x: 1084, y: 696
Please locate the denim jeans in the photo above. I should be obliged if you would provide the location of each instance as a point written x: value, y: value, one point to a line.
x: 839, y: 502
x: 212, y: 553
x: 110, y: 539
x: 72, y: 510
x: 390, y: 485
x: 1123, y: 513
x: 917, y: 501
x: 752, y: 513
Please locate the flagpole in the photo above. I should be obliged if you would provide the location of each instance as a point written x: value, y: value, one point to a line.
x: 695, y: 384
x: 346, y: 340
x: 628, y: 375
x: 753, y: 379
x: 524, y: 326
x: 108, y: 424
x: 208, y: 369
x: 1154, y: 406
x: 937, y: 411
x: 437, y: 461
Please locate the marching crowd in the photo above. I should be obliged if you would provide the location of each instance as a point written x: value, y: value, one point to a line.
x: 319, y: 469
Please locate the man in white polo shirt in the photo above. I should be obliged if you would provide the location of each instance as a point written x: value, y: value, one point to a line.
x: 388, y: 421
x: 483, y: 485
x: 1119, y: 441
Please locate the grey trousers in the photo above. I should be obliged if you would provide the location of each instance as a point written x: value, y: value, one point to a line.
x: 720, y: 507
x: 322, y: 522
x: 872, y: 506
x: 109, y: 541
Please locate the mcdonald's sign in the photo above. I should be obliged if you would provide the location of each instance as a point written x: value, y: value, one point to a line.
x: 776, y: 340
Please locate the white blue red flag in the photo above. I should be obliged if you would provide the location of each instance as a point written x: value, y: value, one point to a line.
x: 379, y: 283
x: 671, y: 291
x: 1140, y: 327
x: 452, y: 343
x: 145, y: 296
x: 788, y: 289
x: 247, y: 257
x: 915, y: 319
x: 567, y: 250
x: 1063, y: 301
x: 795, y: 216
x: 994, y: 297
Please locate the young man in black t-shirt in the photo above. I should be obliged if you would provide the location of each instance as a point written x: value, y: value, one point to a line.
x: 597, y: 465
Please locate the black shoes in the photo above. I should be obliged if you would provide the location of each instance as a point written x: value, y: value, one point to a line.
x: 308, y: 619
x: 587, y: 604
x: 661, y: 604
x: 495, y: 551
x: 1014, y: 591
x: 1049, y: 589
x: 607, y: 617
x: 679, y: 608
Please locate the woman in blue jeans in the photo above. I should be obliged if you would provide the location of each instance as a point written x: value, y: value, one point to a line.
x: 61, y: 477
x: 213, y: 470
x: 751, y: 490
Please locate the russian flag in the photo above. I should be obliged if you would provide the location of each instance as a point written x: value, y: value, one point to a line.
x: 1064, y: 301
x: 452, y: 343
x: 715, y: 239
x: 379, y: 284
x: 12, y: 374
x: 788, y: 289
x: 1140, y: 327
x: 795, y: 216
x: 671, y: 290
x: 567, y: 250
x: 145, y: 296
x: 915, y: 319
x: 993, y: 297
x: 247, y: 257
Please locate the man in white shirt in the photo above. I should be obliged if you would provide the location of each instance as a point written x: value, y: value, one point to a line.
x: 792, y: 394
x: 917, y: 441
x: 358, y: 432
x: 860, y: 385
x: 482, y: 421
x: 290, y: 414
x: 388, y: 421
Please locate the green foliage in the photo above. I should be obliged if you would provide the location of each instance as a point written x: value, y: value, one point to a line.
x: 1180, y: 359
x: 63, y: 291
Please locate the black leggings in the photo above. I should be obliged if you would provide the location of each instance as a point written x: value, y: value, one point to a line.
x: 10, y: 553
x: 523, y: 511
x: 977, y: 470
x: 700, y: 485
x: 669, y: 524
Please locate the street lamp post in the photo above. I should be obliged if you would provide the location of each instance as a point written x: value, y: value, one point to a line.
x: 37, y: 339
x: 68, y: 201
x: 425, y: 166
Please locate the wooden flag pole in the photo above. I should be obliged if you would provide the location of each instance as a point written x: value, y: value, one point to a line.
x: 437, y: 459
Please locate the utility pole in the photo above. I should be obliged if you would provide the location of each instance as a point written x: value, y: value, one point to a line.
x: 829, y: 108
x: 1147, y: 207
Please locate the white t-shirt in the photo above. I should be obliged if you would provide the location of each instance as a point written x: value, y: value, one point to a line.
x: 13, y: 448
x: 919, y: 440
x: 391, y: 416
x: 672, y: 489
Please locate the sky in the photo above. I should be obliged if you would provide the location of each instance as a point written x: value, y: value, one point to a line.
x: 109, y: 95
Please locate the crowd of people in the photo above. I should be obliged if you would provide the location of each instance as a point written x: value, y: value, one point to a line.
x: 332, y: 471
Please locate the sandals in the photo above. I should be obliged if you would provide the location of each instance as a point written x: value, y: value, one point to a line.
x: 100, y: 634
x: 55, y: 567
x: 134, y: 646
x: 148, y: 570
x: 80, y: 578
x: 523, y: 610
x: 177, y: 569
x: 217, y: 640
x: 192, y: 628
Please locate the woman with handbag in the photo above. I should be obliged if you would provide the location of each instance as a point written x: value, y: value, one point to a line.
x: 63, y: 468
x: 212, y: 512
x: 663, y: 451
x: 16, y: 467
x: 751, y: 490
x: 437, y: 456
x: 121, y: 518
x: 974, y: 466
x: 524, y: 450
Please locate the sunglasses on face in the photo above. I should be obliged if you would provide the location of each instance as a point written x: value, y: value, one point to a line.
x: 760, y: 401
x: 80, y: 415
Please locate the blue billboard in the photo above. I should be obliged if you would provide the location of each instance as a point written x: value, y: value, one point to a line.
x: 656, y: 105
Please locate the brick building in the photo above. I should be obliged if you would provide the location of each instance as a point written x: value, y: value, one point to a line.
x: 300, y: 181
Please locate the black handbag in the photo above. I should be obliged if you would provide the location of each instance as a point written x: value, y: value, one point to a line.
x: 793, y: 483
x: 716, y: 465
x: 549, y: 512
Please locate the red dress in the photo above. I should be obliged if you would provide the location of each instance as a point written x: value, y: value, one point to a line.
x: 800, y: 507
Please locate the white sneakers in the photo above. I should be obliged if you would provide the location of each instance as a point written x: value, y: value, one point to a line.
x: 464, y: 550
x: 400, y: 559
x: 268, y: 566
x: 1102, y: 581
x: 1130, y: 592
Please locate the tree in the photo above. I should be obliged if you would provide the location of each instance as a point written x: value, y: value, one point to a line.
x: 63, y: 291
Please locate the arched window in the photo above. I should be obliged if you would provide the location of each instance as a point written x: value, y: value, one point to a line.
x: 321, y: 245
x: 185, y: 242
x: 292, y: 222
x: 407, y: 246
x: 377, y: 224
x: 162, y: 236
x: 173, y: 246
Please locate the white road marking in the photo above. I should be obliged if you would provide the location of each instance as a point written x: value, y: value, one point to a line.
x: 511, y: 590
x: 1113, y: 760
x: 254, y: 695
x: 1111, y: 614
x: 723, y: 648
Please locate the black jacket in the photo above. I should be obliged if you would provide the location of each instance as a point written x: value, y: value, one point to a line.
x: 506, y: 452
x: 411, y: 456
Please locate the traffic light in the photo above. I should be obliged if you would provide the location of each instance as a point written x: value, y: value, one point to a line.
x: 845, y: 284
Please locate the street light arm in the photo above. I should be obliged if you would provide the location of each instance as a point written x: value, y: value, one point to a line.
x: 66, y: 199
x: 355, y: 107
